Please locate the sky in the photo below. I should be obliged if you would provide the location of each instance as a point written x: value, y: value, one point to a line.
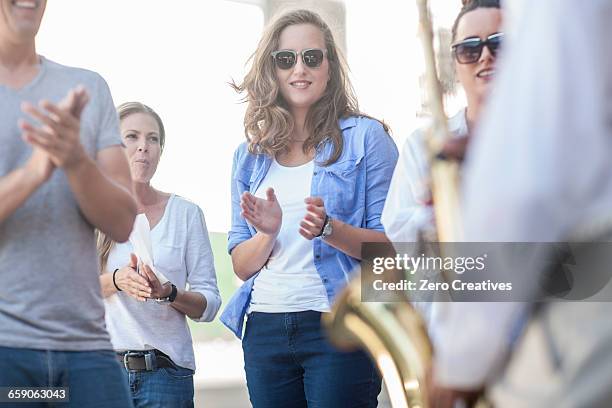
x: 178, y: 58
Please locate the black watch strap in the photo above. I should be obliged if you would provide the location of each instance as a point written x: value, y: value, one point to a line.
x: 171, y: 297
x: 173, y: 294
x: 323, y: 226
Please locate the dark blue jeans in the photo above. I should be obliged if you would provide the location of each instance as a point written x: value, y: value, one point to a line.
x: 289, y: 363
x: 94, y: 378
x: 162, y: 388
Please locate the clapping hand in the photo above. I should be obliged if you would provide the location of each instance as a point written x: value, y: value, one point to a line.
x: 130, y: 281
x: 157, y: 289
x: 59, y: 133
x: 263, y: 214
x: 312, y: 223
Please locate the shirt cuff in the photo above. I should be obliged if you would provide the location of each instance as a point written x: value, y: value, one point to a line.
x: 213, y: 303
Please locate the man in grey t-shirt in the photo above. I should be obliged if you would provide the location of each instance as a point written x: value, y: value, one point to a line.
x: 62, y: 174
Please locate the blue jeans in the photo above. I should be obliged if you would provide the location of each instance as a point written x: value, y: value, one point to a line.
x: 94, y: 378
x: 289, y: 363
x: 162, y: 388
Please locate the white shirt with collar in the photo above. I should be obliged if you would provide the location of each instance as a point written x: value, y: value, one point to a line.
x: 407, y: 209
x: 182, y: 251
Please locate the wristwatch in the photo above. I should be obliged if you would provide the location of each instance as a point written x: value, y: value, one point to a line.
x: 327, y: 229
x: 170, y: 298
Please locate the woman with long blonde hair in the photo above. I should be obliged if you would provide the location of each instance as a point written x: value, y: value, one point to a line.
x: 147, y: 320
x: 308, y: 188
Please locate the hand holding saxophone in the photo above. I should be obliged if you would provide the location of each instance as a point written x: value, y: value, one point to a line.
x: 439, y: 396
x: 454, y: 149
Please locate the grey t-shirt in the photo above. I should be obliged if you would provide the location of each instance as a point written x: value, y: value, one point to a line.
x: 50, y: 295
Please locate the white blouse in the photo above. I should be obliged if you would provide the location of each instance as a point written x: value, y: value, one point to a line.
x: 182, y: 252
x: 406, y: 211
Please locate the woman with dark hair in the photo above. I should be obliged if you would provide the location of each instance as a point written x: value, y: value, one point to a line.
x: 408, y: 212
x: 152, y: 339
x: 308, y: 188
x: 408, y: 209
x: 476, y: 40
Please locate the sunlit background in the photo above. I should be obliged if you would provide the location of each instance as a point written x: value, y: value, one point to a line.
x: 178, y: 58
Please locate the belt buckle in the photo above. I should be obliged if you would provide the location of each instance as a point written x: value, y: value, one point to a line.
x: 126, y: 356
x: 149, y: 357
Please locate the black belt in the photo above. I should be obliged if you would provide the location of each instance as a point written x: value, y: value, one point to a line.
x: 148, y: 360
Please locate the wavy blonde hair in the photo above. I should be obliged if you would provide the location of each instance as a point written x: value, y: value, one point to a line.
x: 268, y: 123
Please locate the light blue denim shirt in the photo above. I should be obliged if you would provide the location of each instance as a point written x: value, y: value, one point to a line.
x: 353, y: 189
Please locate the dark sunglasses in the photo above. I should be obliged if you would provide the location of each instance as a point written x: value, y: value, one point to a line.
x: 469, y: 51
x: 286, y: 59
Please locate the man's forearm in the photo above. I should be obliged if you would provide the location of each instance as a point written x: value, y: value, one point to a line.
x: 105, y: 204
x: 15, y: 188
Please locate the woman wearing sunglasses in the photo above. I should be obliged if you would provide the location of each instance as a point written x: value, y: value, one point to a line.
x: 476, y: 40
x: 308, y: 188
x: 408, y: 209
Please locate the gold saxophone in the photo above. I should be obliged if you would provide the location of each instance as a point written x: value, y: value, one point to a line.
x: 393, y: 333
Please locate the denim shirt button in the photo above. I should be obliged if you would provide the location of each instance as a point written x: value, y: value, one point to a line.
x: 317, y: 256
x: 325, y: 280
